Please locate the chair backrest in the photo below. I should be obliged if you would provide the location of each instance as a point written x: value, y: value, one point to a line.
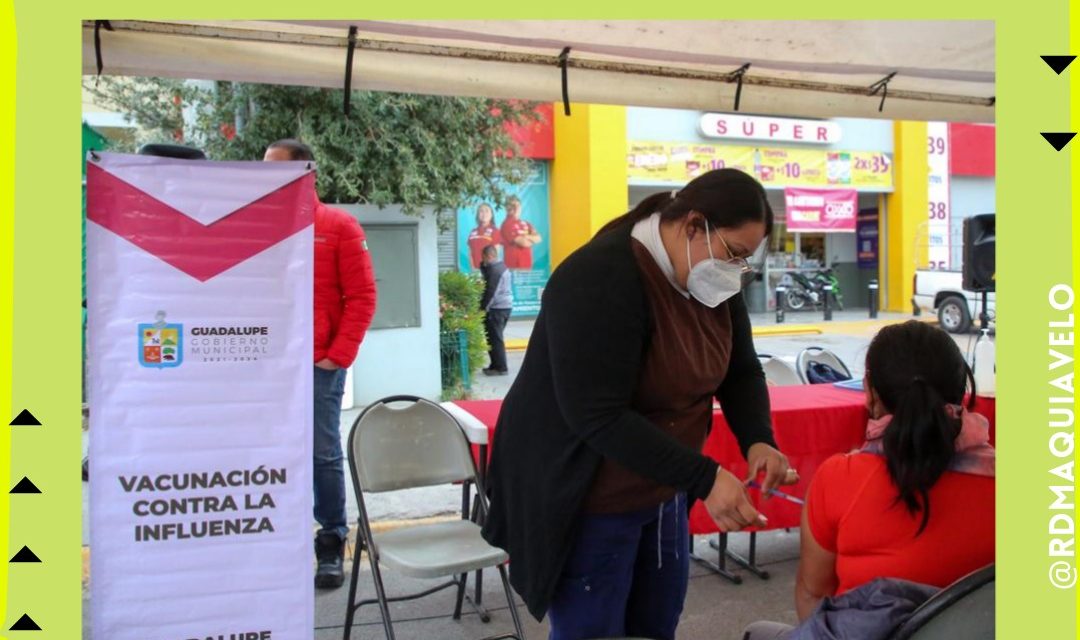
x: 962, y: 611
x: 413, y: 444
x: 824, y: 356
x: 779, y: 373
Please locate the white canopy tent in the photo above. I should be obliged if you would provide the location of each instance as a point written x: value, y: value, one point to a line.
x: 940, y: 70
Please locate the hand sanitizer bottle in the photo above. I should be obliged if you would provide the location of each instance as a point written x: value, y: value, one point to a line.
x: 985, y: 365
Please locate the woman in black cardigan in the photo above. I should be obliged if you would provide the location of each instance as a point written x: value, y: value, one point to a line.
x: 598, y: 447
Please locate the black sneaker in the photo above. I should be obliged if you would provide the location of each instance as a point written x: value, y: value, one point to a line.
x: 495, y: 372
x: 330, y: 553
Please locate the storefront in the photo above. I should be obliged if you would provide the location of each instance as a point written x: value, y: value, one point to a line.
x: 821, y: 231
x: 825, y: 180
x: 885, y: 183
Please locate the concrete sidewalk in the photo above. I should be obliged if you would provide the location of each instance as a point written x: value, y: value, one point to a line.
x: 848, y: 336
x: 854, y: 323
x: 715, y: 608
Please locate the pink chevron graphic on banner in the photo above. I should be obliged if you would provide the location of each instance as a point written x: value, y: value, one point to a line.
x: 199, y: 250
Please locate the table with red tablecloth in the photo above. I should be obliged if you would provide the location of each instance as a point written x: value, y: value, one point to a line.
x: 810, y: 422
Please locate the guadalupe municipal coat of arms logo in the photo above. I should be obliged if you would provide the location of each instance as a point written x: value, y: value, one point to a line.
x: 161, y: 343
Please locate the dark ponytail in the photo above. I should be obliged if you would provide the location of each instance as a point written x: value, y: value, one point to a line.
x: 916, y: 371
x: 727, y: 198
x: 919, y: 446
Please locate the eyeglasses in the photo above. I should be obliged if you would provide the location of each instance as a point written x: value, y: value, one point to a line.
x: 741, y: 263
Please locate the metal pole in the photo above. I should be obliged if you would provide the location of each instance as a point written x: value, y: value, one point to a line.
x: 827, y: 302
x: 883, y: 245
x: 984, y: 315
x: 780, y: 291
x: 873, y: 298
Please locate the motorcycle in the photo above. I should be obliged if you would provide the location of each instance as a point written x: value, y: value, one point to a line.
x: 803, y: 290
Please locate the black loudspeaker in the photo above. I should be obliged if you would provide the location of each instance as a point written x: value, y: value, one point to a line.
x: 979, y: 263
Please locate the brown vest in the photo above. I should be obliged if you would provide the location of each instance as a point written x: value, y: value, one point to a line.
x: 686, y: 360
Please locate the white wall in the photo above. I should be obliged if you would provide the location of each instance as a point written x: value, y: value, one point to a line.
x: 396, y: 361
x: 971, y: 196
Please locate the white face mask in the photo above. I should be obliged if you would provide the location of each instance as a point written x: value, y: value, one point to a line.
x: 712, y: 281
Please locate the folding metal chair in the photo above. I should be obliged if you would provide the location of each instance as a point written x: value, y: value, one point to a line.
x: 418, y: 445
x: 778, y: 372
x: 962, y: 611
x: 819, y: 354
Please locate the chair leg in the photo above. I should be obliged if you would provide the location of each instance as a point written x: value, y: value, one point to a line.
x: 480, y: 588
x: 466, y: 504
x: 750, y: 564
x: 350, y: 611
x: 460, y: 596
x: 467, y: 509
x: 478, y: 600
x: 720, y: 567
x: 513, y: 605
x: 380, y: 592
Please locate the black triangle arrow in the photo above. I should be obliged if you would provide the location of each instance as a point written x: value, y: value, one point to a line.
x: 1058, y: 140
x: 25, y: 555
x: 25, y: 624
x: 25, y: 419
x: 1058, y: 63
x: 25, y: 486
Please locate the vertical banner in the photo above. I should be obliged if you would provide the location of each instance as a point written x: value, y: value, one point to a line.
x: 521, y: 232
x: 866, y: 235
x: 821, y: 209
x: 938, y: 195
x: 200, y: 353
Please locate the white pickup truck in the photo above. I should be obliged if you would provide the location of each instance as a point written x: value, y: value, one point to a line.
x: 942, y: 292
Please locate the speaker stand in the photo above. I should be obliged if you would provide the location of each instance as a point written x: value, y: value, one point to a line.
x: 984, y: 315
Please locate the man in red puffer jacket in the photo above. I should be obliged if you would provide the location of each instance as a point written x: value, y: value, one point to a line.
x: 344, y: 307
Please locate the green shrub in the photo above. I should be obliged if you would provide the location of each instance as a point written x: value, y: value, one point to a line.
x: 459, y: 310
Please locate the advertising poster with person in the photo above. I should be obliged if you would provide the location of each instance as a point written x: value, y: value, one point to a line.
x: 521, y: 233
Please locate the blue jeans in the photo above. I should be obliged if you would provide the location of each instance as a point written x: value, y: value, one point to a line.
x: 329, y: 460
x: 626, y: 576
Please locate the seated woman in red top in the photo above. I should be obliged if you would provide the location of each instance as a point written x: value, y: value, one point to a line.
x: 485, y: 234
x: 917, y: 501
